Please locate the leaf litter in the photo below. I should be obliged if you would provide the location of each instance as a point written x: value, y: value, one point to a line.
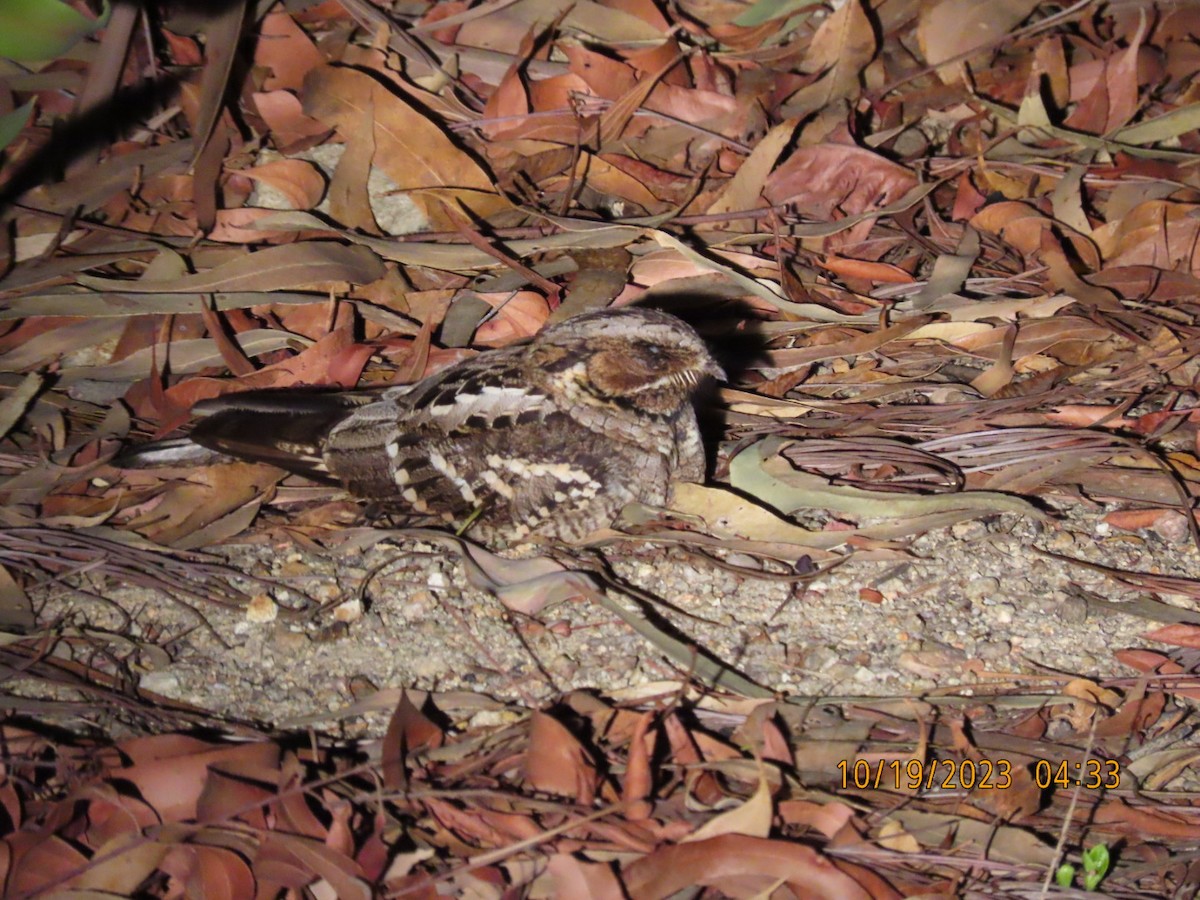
x: 947, y: 252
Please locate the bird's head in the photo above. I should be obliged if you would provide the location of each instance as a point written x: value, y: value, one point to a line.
x: 641, y: 358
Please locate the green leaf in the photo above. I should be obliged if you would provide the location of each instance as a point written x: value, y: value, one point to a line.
x: 1096, y: 859
x: 1065, y: 875
x: 1093, y: 142
x: 12, y: 123
x: 1164, y: 128
x: 43, y: 29
x: 766, y: 10
x: 760, y: 472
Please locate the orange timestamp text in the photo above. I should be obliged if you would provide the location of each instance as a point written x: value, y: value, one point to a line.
x: 1091, y: 774
x: 976, y: 774
x: 938, y: 774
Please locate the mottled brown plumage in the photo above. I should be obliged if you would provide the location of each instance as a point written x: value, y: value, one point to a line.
x: 546, y: 439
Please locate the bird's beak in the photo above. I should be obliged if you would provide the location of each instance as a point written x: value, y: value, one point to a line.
x: 712, y: 368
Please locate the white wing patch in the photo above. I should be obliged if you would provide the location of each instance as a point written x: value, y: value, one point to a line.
x: 496, y: 483
x: 491, y: 402
x: 525, y: 468
x: 444, y: 467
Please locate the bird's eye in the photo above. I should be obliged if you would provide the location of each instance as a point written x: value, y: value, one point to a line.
x: 650, y: 350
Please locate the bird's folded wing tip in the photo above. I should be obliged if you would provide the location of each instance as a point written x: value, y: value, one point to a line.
x: 163, y: 454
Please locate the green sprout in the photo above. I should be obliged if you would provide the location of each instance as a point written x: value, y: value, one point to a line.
x: 43, y: 29
x: 39, y: 30
x: 1095, y: 866
x: 1065, y: 875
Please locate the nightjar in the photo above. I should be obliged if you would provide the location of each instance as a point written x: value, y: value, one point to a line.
x: 547, y: 439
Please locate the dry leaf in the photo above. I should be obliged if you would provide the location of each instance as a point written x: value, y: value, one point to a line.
x: 413, y: 150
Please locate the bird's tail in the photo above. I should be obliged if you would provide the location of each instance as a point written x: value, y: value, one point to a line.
x: 284, y: 428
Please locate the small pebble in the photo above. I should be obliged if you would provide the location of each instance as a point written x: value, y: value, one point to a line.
x: 983, y: 588
x: 261, y: 609
x: 350, y: 611
x: 1003, y: 613
x: 990, y: 651
x: 164, y: 682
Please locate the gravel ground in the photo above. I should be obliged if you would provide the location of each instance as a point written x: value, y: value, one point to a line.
x: 974, y: 600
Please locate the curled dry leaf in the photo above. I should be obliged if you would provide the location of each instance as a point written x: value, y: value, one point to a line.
x: 557, y: 763
x: 414, y: 151
x: 841, y: 49
x: 744, y: 860
x: 1022, y: 226
x: 209, y: 494
x: 833, y: 181
x: 949, y: 28
x: 638, y: 781
x: 284, y: 115
x: 298, y: 181
x: 1178, y: 634
x: 518, y: 316
x: 408, y: 730
x: 286, y: 50
x: 571, y: 877
x: 752, y: 818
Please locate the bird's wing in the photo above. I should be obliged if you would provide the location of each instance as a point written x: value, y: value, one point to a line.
x: 426, y: 444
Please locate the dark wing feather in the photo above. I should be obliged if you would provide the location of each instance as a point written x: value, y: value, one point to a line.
x: 284, y: 428
x: 423, y: 445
